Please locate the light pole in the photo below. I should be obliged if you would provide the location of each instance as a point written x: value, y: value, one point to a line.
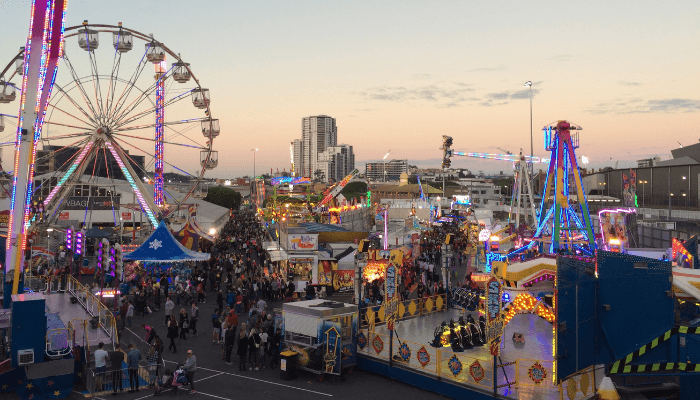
x: 384, y: 159
x: 644, y: 184
x: 532, y: 145
x: 49, y: 230
x: 252, y: 180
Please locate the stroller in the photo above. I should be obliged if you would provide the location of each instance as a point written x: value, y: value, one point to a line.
x: 172, y: 381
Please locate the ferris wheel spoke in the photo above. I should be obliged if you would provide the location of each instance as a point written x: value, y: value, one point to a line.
x: 82, y: 128
x: 151, y: 110
x: 80, y: 86
x: 181, y: 133
x: 129, y: 86
x: 96, y: 84
x: 166, y: 142
x: 136, y: 127
x: 71, y: 115
x: 65, y: 94
x: 151, y: 154
x: 70, y: 135
x: 113, y: 77
x: 143, y: 96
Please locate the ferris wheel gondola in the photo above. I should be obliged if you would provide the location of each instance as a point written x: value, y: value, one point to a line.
x: 109, y: 117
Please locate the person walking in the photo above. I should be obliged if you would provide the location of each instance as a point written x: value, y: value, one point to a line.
x: 190, y: 368
x: 242, y: 351
x: 275, y: 347
x: 184, y: 324
x: 130, y: 313
x: 172, y: 334
x: 169, y: 307
x: 132, y: 361
x: 150, y: 333
x: 193, y: 318
x: 116, y: 358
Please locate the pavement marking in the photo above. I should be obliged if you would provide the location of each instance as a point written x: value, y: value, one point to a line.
x: 220, y: 373
x: 256, y: 379
x: 211, y: 395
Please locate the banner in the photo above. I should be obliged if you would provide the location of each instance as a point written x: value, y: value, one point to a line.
x: 4, y: 218
x: 391, y: 299
x: 343, y: 280
x: 92, y: 203
x: 303, y: 242
x: 494, y: 320
x: 613, y: 227
x: 325, y: 272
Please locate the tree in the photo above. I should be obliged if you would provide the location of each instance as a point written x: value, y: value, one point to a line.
x: 224, y: 197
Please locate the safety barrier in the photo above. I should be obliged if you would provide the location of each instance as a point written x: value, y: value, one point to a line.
x: 535, y: 376
x: 58, y: 342
x: 36, y: 283
x: 582, y: 384
x: 94, y: 307
x: 99, y: 384
x: 522, y: 376
x: 373, y: 344
x: 464, y: 369
x: 406, y: 309
x: 421, y: 357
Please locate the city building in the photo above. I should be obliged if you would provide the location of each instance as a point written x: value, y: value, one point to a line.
x: 386, y: 171
x: 297, y: 155
x: 318, y: 133
x: 336, y: 162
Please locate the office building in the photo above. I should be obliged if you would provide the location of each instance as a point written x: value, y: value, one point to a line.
x: 386, y: 171
x: 336, y: 162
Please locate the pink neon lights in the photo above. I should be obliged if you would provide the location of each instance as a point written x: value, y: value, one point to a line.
x: 68, y: 173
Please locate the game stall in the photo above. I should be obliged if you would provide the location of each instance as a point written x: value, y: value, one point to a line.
x: 322, y: 334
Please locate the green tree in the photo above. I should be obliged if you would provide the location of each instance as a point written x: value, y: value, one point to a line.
x: 224, y: 197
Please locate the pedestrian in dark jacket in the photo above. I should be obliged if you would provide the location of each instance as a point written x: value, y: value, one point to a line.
x: 242, y: 351
x: 172, y: 334
x: 229, y: 341
x: 184, y: 324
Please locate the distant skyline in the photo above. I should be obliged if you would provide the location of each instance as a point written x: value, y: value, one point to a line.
x: 399, y: 74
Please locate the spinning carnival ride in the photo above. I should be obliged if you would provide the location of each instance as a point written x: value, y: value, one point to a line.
x: 110, y: 116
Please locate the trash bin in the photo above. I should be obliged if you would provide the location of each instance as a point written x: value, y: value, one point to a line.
x: 287, y: 365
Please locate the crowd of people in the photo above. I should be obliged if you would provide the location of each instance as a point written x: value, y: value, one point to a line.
x: 234, y: 280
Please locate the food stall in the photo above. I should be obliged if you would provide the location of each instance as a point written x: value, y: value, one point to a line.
x: 322, y: 333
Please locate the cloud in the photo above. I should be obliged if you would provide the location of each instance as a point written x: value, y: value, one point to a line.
x: 489, y: 69
x: 638, y: 106
x: 628, y: 83
x: 420, y: 76
x: 561, y: 58
x: 502, y: 98
x: 443, y: 94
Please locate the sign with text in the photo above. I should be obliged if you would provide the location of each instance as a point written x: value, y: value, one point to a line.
x: 390, y: 296
x: 92, y: 203
x: 126, y: 216
x: 64, y: 216
x: 494, y: 321
x: 303, y: 242
x: 4, y: 218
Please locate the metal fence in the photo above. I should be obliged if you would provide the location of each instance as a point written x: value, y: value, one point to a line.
x: 375, y: 315
x: 113, y: 380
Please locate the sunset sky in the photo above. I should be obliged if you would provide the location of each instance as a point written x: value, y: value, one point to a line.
x: 399, y: 74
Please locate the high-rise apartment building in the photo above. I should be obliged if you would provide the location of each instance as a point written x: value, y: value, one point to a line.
x: 317, y: 155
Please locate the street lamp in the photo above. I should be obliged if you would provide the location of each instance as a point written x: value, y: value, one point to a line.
x: 532, y: 146
x: 252, y: 187
x: 644, y: 184
x: 385, y: 156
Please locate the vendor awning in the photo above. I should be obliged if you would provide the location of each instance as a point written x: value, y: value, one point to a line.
x: 277, y: 255
x: 161, y: 246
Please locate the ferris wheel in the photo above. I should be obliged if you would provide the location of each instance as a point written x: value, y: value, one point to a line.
x: 132, y: 111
